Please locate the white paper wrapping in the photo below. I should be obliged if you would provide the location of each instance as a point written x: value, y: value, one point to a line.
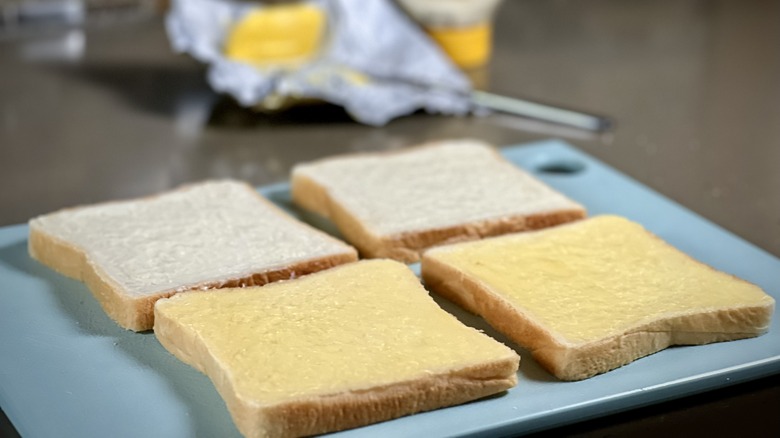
x: 404, y: 70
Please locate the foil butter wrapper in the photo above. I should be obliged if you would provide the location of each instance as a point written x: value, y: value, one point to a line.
x: 375, y: 61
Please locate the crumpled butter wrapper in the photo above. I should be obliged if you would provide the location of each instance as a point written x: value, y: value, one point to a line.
x: 376, y: 62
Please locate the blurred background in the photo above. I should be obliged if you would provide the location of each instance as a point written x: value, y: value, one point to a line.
x: 96, y: 105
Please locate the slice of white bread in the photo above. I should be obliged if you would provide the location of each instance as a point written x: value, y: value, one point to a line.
x: 342, y: 348
x: 594, y: 295
x: 208, y: 235
x: 396, y: 204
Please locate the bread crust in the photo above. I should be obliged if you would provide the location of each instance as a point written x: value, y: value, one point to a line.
x: 408, y: 247
x: 568, y: 361
x: 136, y: 313
x: 344, y: 410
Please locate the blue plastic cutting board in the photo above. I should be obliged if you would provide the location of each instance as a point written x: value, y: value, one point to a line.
x: 67, y: 370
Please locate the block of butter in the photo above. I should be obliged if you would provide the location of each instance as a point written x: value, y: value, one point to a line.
x: 593, y: 295
x: 346, y: 347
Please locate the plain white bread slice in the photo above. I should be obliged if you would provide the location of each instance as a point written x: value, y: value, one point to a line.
x: 208, y: 235
x: 596, y: 294
x: 353, y: 345
x: 396, y: 204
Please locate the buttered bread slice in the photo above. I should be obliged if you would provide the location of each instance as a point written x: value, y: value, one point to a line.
x: 396, y: 204
x: 346, y: 347
x: 594, y: 295
x: 201, y: 236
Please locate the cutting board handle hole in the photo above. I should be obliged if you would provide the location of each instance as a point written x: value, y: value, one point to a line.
x: 561, y: 166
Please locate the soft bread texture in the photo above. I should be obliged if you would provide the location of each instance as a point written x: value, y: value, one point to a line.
x: 397, y: 204
x: 594, y: 295
x: 342, y: 348
x: 209, y: 235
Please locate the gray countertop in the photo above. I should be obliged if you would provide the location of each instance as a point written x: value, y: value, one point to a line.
x: 693, y: 86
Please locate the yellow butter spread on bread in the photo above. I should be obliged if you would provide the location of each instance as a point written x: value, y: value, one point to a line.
x: 342, y: 348
x: 603, y: 281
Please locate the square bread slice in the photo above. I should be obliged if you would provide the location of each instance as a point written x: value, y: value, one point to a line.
x: 342, y: 348
x: 396, y: 204
x: 208, y: 235
x: 594, y: 295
